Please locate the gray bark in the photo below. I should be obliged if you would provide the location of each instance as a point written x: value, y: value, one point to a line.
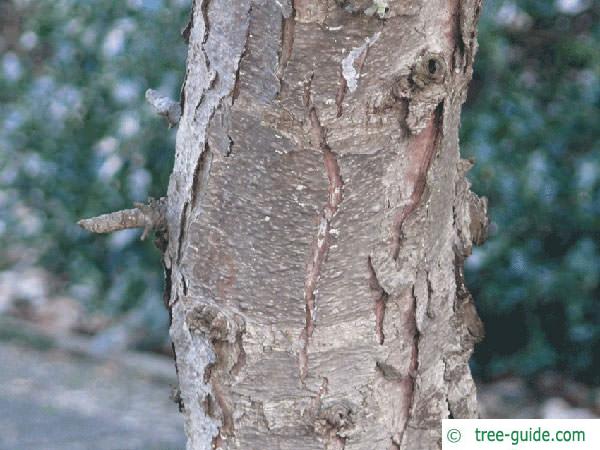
x: 318, y: 219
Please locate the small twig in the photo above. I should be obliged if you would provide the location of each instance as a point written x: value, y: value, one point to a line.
x: 150, y: 216
x: 164, y: 106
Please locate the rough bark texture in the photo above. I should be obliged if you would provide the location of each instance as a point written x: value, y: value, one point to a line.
x: 318, y: 220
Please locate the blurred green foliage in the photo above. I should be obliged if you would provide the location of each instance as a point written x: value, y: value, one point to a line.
x: 77, y: 139
x: 532, y: 124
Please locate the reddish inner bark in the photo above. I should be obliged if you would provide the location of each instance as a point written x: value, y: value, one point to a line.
x: 323, y: 239
x: 420, y: 151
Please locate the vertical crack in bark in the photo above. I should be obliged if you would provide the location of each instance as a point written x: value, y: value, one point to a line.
x: 184, y: 285
x: 240, y: 362
x: 167, y: 292
x: 288, y: 26
x: 202, y: 167
x: 421, y: 149
x: 462, y: 292
x: 468, y: 12
x: 182, y: 228
x: 321, y: 243
x: 235, y: 93
x: 458, y: 32
x: 230, y: 358
x: 429, y: 310
x: 237, y: 85
x: 225, y: 336
x: 226, y: 428
x: 464, y: 305
x: 380, y: 297
x: 184, y: 212
x: 199, y: 179
x: 413, y: 368
x: 204, y: 11
x: 209, y: 82
x: 339, y: 96
x: 204, y: 158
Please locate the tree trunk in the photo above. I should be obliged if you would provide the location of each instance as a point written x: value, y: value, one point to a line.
x: 318, y: 219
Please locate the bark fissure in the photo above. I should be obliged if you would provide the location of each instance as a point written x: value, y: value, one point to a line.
x: 240, y: 361
x: 209, y: 83
x: 225, y: 332
x: 288, y: 27
x: 430, y: 311
x: 236, y: 85
x: 213, y: 104
x: 322, y: 241
x: 464, y: 305
x: 182, y: 227
x: 185, y: 32
x: 226, y: 428
x: 413, y: 368
x: 204, y: 10
x: 380, y: 297
x: 199, y: 176
x: 340, y: 95
x: 199, y: 179
x: 421, y: 149
x: 458, y: 32
x: 167, y: 292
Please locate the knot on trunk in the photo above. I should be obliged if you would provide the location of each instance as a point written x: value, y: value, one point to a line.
x: 216, y: 324
x: 423, y: 87
x: 431, y: 68
x: 334, y: 422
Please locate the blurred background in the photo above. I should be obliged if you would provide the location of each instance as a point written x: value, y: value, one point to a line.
x: 77, y: 139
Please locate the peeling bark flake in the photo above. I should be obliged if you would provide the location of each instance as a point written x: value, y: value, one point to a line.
x: 356, y: 56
